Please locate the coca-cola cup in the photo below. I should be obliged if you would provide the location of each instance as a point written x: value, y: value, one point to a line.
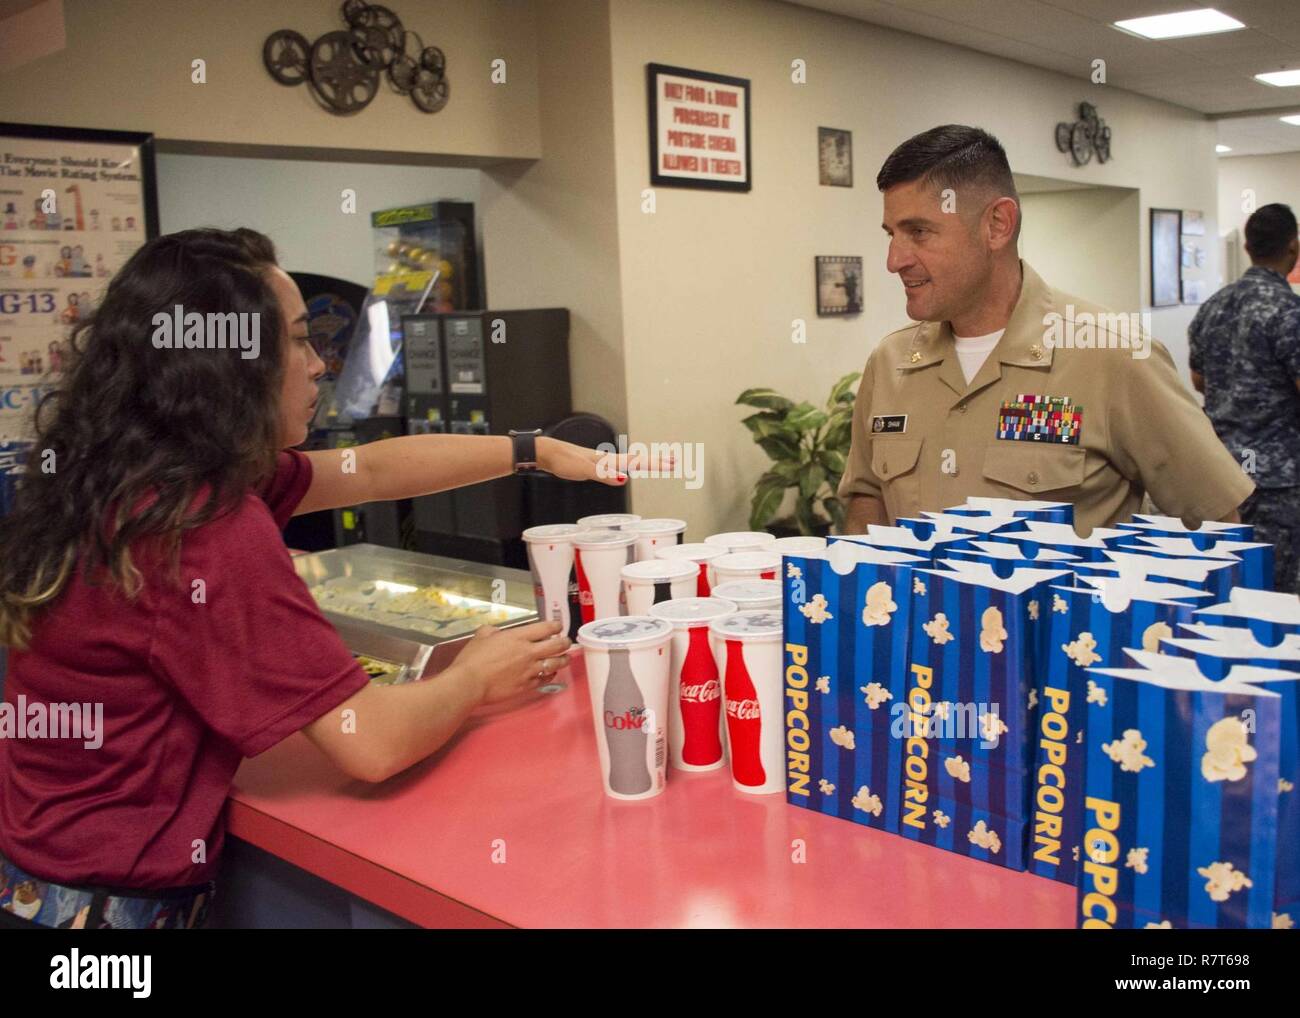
x: 741, y: 540
x: 746, y: 565
x: 550, y: 557
x: 651, y: 535
x: 598, y: 560
x: 627, y: 661
x: 750, y: 594
x: 749, y: 659
x: 607, y: 521
x: 801, y: 545
x: 701, y: 554
x: 695, y: 731
x: 657, y: 579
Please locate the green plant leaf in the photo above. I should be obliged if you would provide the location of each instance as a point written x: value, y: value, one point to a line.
x: 763, y: 423
x: 768, y: 399
x: 835, y: 510
x: 838, y: 434
x: 780, y: 448
x: 787, y: 472
x: 805, y: 417
x: 766, y: 501
x: 842, y: 391
x: 806, y: 518
x: 834, y: 461
x: 811, y: 480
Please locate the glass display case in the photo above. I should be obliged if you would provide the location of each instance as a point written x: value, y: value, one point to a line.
x: 406, y: 615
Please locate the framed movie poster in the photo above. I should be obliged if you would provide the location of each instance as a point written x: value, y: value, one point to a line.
x: 74, y: 206
x: 839, y: 285
x: 834, y: 157
x: 1166, y: 257
x: 699, y: 129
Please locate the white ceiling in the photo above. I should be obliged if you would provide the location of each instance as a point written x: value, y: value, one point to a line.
x: 1213, y: 74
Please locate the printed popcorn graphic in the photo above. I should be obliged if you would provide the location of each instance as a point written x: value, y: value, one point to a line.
x: 991, y: 726
x: 842, y: 737
x: 867, y: 802
x: 1228, y: 750
x: 1075, y: 852
x: 1284, y: 786
x: 876, y: 694
x: 941, y: 819
x: 793, y: 571
x: 1282, y: 921
x: 1221, y: 880
x: 957, y: 768
x: 981, y: 835
x: 815, y: 610
x: 992, y: 632
x: 824, y: 684
x: 918, y: 586
x: 1127, y: 752
x: 1059, y: 604
x: 1033, y: 610
x: 941, y: 708
x: 1164, y: 924
x: 1096, y: 694
x: 1081, y: 651
x: 1137, y: 859
x: 937, y: 629
x: 1033, y: 699
x: 880, y: 604
x: 826, y: 787
x: 1153, y: 634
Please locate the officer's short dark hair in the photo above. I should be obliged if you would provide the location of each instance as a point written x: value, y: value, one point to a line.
x: 1270, y: 230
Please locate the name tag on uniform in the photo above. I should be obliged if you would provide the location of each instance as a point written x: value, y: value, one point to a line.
x: 1033, y: 418
x: 889, y: 424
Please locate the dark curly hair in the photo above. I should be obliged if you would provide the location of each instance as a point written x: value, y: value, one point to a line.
x: 138, y: 444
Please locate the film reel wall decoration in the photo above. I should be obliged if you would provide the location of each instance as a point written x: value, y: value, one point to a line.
x: 343, y: 69
x: 1086, y: 136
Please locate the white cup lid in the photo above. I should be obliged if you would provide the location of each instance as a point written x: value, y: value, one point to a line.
x: 607, y: 520
x: 624, y: 632
x: 742, y: 591
x: 682, y: 611
x: 756, y: 624
x: 694, y: 552
x: 657, y: 526
x: 741, y: 539
x: 799, y: 545
x: 748, y: 560
x: 659, y: 569
x: 598, y: 538
x: 551, y: 532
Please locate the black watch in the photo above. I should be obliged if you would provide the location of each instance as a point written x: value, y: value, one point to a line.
x: 525, y: 443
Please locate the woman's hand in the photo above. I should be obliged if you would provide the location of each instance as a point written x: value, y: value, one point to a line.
x: 502, y: 663
x: 577, y: 463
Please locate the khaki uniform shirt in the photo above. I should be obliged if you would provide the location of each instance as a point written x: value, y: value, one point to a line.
x: 923, y: 439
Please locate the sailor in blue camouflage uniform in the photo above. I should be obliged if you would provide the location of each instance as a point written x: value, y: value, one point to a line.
x: 1245, y: 357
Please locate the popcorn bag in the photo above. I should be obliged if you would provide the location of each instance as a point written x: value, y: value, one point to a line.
x: 947, y: 524
x: 1215, y: 576
x: 1033, y: 535
x: 1180, y: 812
x: 1005, y: 556
x: 846, y: 616
x: 1270, y: 617
x: 1251, y: 563
x: 1084, y: 625
x: 1047, y: 512
x: 968, y: 726
x: 903, y: 540
x: 1171, y: 526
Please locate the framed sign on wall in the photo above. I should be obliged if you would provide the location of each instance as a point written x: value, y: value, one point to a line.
x: 1166, y: 256
x: 699, y: 129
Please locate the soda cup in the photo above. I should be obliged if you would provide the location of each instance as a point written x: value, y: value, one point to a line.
x: 750, y: 594
x: 627, y: 663
x: 749, y: 658
x: 598, y: 560
x: 802, y: 545
x: 742, y: 540
x: 695, y: 731
x: 651, y: 535
x: 550, y: 557
x: 607, y: 521
x: 657, y: 579
x: 746, y: 565
x: 701, y: 554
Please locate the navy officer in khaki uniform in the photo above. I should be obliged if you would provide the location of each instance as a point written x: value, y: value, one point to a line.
x: 1004, y: 386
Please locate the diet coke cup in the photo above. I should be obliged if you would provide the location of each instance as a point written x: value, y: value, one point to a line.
x: 702, y: 555
x: 655, y: 580
x: 550, y: 557
x: 651, y: 535
x: 695, y: 732
x: 741, y: 540
x: 598, y: 560
x: 797, y: 545
x: 750, y: 594
x: 607, y: 521
x: 749, y: 658
x: 746, y: 565
x: 627, y: 663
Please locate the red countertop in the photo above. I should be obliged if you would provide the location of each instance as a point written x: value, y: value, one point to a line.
x: 523, y: 787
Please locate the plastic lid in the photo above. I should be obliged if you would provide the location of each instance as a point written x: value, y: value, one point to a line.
x: 748, y: 560
x: 741, y: 539
x: 652, y: 569
x: 682, y: 611
x: 657, y: 526
x: 756, y: 624
x: 694, y: 552
x: 607, y: 520
x: 596, y: 538
x: 745, y: 591
x: 551, y: 532
x: 624, y: 632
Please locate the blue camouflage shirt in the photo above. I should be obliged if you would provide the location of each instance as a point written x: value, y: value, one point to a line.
x: 1245, y: 342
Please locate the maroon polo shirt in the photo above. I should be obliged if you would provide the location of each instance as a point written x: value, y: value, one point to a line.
x: 192, y: 679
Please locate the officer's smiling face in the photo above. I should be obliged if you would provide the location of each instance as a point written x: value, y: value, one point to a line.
x: 937, y: 254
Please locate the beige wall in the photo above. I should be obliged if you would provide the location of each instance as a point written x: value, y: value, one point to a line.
x: 711, y: 281
x: 127, y: 67
x: 1272, y: 178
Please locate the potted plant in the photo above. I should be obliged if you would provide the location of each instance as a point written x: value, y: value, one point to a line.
x: 808, y: 448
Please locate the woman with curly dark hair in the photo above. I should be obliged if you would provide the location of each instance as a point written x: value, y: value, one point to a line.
x: 142, y: 571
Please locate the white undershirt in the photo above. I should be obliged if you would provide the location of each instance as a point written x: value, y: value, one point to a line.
x: 973, y: 352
